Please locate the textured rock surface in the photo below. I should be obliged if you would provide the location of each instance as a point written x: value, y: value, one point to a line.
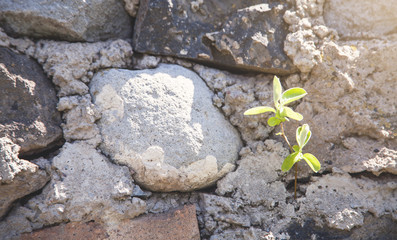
x: 350, y: 106
x: 162, y: 124
x: 80, y: 116
x: 176, y: 224
x: 341, y: 201
x: 365, y: 20
x: 255, y: 180
x: 234, y: 94
x: 71, y: 20
x: 28, y: 112
x: 131, y: 6
x: 239, y: 34
x: 72, y: 65
x: 18, y: 177
x: 103, y: 193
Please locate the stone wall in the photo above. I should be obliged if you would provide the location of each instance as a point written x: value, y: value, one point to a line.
x: 124, y: 119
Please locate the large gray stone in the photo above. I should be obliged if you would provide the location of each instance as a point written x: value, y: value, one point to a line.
x: 162, y: 124
x: 240, y: 34
x: 17, y: 177
x: 28, y: 114
x: 71, y: 20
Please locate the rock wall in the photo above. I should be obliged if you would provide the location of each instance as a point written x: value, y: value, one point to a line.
x: 118, y: 117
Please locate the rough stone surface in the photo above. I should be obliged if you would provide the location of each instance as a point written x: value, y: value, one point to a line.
x: 234, y: 94
x: 103, y: 195
x: 239, y: 34
x: 79, y: 116
x: 28, y: 112
x: 18, y: 177
x: 350, y: 106
x: 365, y: 20
x: 145, y: 61
x: 162, y: 124
x: 71, y: 20
x: 255, y: 180
x: 341, y: 201
x: 131, y: 6
x: 176, y: 224
x: 72, y: 65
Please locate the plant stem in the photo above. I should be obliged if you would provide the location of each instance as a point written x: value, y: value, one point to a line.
x: 285, y: 137
x: 291, y: 151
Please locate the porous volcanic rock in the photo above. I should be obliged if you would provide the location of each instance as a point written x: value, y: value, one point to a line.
x: 28, y: 114
x: 365, y: 20
x: 247, y: 35
x: 162, y: 124
x: 70, y: 20
x: 71, y: 65
x: 103, y: 193
x: 350, y: 105
x: 18, y: 177
x: 341, y: 202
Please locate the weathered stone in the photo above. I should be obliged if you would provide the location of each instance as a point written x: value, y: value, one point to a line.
x: 341, y: 201
x: 244, y: 234
x: 28, y: 104
x: 71, y: 20
x: 131, y: 6
x: 80, y: 116
x: 177, y: 224
x: 71, y: 65
x: 350, y: 106
x: 162, y: 124
x: 18, y: 177
x: 365, y: 20
x: 103, y: 193
x: 234, y: 94
x: 255, y: 178
x: 73, y: 230
x: 240, y: 34
x: 145, y: 61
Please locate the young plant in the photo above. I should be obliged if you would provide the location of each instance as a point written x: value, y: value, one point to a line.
x: 282, y: 113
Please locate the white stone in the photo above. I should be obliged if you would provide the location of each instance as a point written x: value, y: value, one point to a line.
x: 162, y: 124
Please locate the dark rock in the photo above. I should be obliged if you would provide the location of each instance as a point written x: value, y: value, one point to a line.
x: 71, y: 20
x: 247, y: 35
x: 138, y: 192
x: 28, y: 114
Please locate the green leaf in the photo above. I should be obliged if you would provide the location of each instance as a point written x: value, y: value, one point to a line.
x: 289, y: 162
x: 277, y: 89
x: 291, y: 114
x: 292, y: 94
x: 312, y: 161
x: 259, y: 110
x: 273, y: 121
x: 296, y: 148
x: 303, y: 135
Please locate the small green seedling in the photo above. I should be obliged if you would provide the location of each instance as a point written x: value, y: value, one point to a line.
x: 303, y: 134
x: 282, y: 114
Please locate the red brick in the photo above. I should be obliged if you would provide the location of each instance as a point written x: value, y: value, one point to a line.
x: 69, y: 231
x: 177, y: 224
